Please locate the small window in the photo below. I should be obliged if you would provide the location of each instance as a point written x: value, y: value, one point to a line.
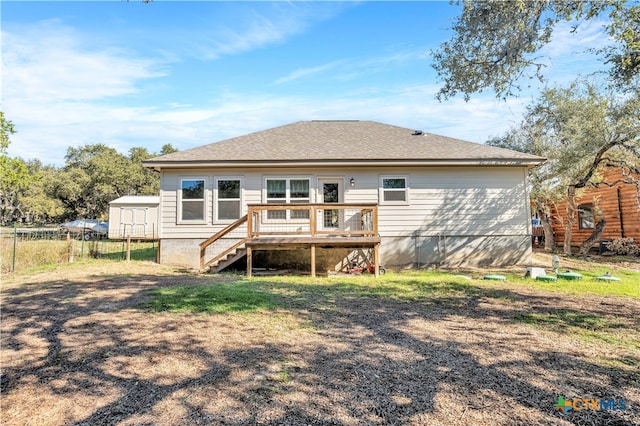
x: 394, y: 190
x: 228, y: 200
x: 192, y: 200
x: 585, y: 216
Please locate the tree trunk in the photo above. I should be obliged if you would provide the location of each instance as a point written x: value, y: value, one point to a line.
x: 572, y: 208
x: 549, y: 238
x: 595, y: 236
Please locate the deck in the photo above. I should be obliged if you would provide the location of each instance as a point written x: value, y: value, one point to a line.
x: 302, y: 226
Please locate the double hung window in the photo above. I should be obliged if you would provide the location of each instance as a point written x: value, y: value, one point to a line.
x: 192, y: 200
x: 287, y: 191
x: 228, y: 199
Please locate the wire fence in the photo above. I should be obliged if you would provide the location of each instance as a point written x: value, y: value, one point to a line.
x: 24, y: 248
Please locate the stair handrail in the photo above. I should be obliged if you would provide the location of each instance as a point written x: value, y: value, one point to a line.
x: 224, y: 253
x: 227, y: 229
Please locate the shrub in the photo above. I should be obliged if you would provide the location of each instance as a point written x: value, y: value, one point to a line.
x: 623, y: 246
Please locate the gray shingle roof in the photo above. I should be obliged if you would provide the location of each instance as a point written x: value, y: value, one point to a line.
x: 340, y: 141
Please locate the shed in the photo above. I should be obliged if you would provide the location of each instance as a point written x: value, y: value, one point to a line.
x: 134, y: 216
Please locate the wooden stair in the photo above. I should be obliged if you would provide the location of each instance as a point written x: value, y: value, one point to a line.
x: 226, y: 257
x: 227, y: 260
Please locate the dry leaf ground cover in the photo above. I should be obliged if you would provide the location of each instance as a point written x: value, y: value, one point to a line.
x: 111, y: 343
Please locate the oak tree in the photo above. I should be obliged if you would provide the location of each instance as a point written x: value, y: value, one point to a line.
x: 497, y: 44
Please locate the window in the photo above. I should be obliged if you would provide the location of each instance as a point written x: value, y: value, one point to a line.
x: 192, y: 200
x: 394, y: 190
x: 585, y: 216
x: 287, y: 191
x: 228, y: 199
x: 299, y: 194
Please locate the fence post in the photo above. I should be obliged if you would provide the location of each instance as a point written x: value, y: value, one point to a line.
x: 15, y: 242
x: 82, y: 246
x: 128, y: 248
x: 70, y: 248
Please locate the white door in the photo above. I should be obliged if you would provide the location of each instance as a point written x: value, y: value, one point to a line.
x: 330, y: 193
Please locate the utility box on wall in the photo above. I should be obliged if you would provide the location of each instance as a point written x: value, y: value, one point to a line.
x: 135, y: 217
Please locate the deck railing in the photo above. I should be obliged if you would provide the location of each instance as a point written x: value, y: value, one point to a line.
x: 294, y: 220
x: 313, y: 220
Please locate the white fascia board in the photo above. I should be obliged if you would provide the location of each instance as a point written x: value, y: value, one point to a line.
x: 345, y: 163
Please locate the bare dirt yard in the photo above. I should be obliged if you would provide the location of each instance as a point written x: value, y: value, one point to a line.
x: 81, y: 345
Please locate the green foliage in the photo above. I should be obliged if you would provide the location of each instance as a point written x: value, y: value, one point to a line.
x: 580, y: 130
x: 168, y: 149
x: 36, y: 199
x: 14, y: 175
x: 6, y: 130
x: 95, y: 175
x: 496, y: 44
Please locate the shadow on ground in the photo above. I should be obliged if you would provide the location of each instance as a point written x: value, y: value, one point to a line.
x: 92, y: 352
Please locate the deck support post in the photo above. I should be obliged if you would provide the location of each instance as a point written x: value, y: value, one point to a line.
x: 249, y: 262
x: 313, y: 260
x: 376, y: 261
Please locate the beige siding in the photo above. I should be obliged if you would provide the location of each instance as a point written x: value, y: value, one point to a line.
x: 453, y: 202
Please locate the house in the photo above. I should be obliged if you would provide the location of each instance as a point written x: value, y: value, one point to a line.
x: 618, y: 205
x: 402, y: 197
x: 134, y: 216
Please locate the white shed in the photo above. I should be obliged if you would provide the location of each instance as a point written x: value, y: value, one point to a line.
x: 134, y: 216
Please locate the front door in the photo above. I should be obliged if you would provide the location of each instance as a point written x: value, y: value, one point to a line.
x: 331, y: 193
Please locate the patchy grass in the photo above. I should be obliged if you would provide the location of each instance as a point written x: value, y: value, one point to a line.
x: 629, y: 286
x: 240, y: 296
x: 585, y: 326
x: 139, y: 343
x: 264, y: 293
x: 34, y: 255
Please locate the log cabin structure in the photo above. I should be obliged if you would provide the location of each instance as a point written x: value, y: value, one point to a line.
x: 618, y: 205
x: 403, y: 197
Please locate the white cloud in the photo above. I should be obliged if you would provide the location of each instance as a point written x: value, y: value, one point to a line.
x: 567, y: 41
x: 61, y: 93
x: 572, y: 53
x: 46, y: 61
x: 258, y: 25
x: 349, y: 69
x: 57, y: 91
x: 308, y: 72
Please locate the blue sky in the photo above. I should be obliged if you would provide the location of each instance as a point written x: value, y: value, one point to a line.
x: 189, y: 73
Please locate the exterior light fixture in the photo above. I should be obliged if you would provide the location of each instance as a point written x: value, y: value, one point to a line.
x: 352, y: 183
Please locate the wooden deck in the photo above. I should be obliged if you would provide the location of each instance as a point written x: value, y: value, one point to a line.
x: 288, y: 243
x: 303, y: 226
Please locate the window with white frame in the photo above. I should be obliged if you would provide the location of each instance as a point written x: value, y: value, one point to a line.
x: 192, y: 200
x: 287, y: 191
x: 393, y: 190
x: 228, y: 201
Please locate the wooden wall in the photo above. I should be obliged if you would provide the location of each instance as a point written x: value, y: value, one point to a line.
x: 619, y: 208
